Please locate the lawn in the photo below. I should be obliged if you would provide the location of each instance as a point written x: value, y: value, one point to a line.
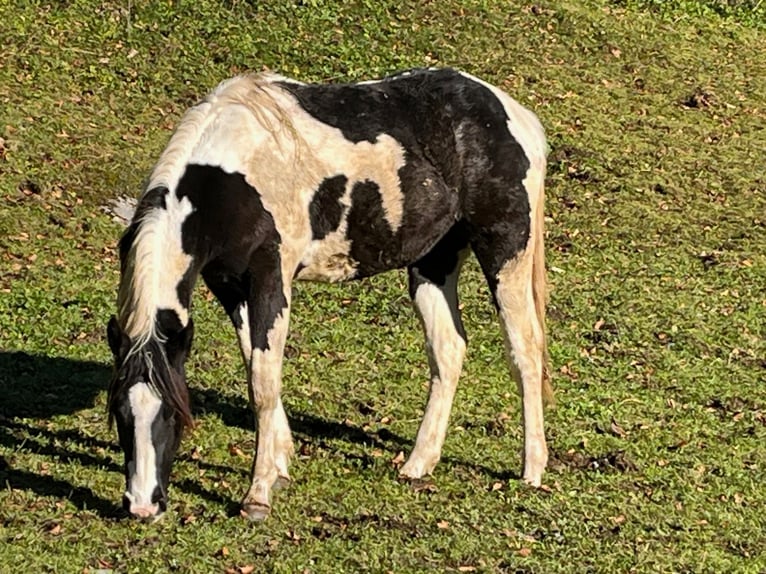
x: 656, y: 245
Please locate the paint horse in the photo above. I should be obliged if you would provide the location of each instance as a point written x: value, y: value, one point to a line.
x: 269, y: 180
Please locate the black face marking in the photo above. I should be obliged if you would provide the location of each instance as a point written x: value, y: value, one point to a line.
x: 166, y: 438
x: 461, y: 164
x: 325, y: 209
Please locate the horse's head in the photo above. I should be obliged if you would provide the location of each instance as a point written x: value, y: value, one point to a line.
x: 149, y: 400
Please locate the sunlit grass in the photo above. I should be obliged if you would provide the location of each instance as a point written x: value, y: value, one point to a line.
x: 656, y: 234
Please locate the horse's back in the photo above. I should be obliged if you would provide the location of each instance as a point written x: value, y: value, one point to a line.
x: 446, y: 133
x: 362, y: 178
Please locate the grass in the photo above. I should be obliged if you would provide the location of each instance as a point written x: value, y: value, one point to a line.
x: 656, y: 234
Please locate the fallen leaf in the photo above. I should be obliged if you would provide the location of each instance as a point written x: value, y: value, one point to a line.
x: 234, y: 450
x: 55, y: 530
x: 617, y: 430
x: 246, y: 569
x: 398, y: 459
x: 442, y: 524
x: 497, y: 486
x: 524, y: 552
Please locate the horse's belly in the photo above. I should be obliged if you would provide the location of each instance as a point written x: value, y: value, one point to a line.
x: 338, y: 258
x: 328, y: 260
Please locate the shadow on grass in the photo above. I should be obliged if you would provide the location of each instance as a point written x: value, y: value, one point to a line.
x: 235, y: 411
x: 36, y: 386
x: 39, y: 387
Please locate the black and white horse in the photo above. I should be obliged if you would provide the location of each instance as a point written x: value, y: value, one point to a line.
x: 270, y: 180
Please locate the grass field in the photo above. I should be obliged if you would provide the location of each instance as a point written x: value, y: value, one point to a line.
x: 656, y: 244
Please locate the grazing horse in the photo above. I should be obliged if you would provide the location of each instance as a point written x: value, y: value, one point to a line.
x: 269, y: 180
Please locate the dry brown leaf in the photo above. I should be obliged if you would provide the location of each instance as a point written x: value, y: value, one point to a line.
x: 524, y: 552
x: 234, y: 450
x: 617, y: 430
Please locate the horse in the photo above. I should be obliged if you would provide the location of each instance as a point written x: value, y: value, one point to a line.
x: 270, y: 180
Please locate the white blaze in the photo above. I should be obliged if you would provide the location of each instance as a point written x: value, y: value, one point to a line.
x: 145, y: 404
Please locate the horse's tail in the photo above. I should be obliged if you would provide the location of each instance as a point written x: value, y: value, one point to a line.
x: 539, y: 283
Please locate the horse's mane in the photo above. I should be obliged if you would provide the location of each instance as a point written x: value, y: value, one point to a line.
x: 151, y: 364
x: 150, y: 249
x: 146, y: 251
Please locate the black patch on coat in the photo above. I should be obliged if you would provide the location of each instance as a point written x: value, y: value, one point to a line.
x: 368, y: 230
x: 168, y: 322
x: 230, y: 290
x: 461, y: 164
x: 325, y: 209
x: 267, y: 296
x: 234, y: 244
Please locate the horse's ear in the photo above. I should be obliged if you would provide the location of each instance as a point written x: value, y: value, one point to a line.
x: 179, y: 344
x: 119, y: 342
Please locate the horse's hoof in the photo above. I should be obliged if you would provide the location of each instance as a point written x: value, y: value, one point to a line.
x: 255, y: 511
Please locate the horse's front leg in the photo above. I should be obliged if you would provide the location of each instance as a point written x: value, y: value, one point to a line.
x: 268, y: 318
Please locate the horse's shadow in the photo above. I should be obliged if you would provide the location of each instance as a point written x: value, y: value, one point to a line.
x: 39, y: 387
x: 235, y: 412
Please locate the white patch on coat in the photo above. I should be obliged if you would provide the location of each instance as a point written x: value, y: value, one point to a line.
x: 145, y: 405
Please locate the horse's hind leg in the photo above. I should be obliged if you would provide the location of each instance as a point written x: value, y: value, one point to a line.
x: 511, y: 283
x: 433, y: 288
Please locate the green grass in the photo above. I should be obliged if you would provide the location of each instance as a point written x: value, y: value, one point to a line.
x: 656, y: 243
